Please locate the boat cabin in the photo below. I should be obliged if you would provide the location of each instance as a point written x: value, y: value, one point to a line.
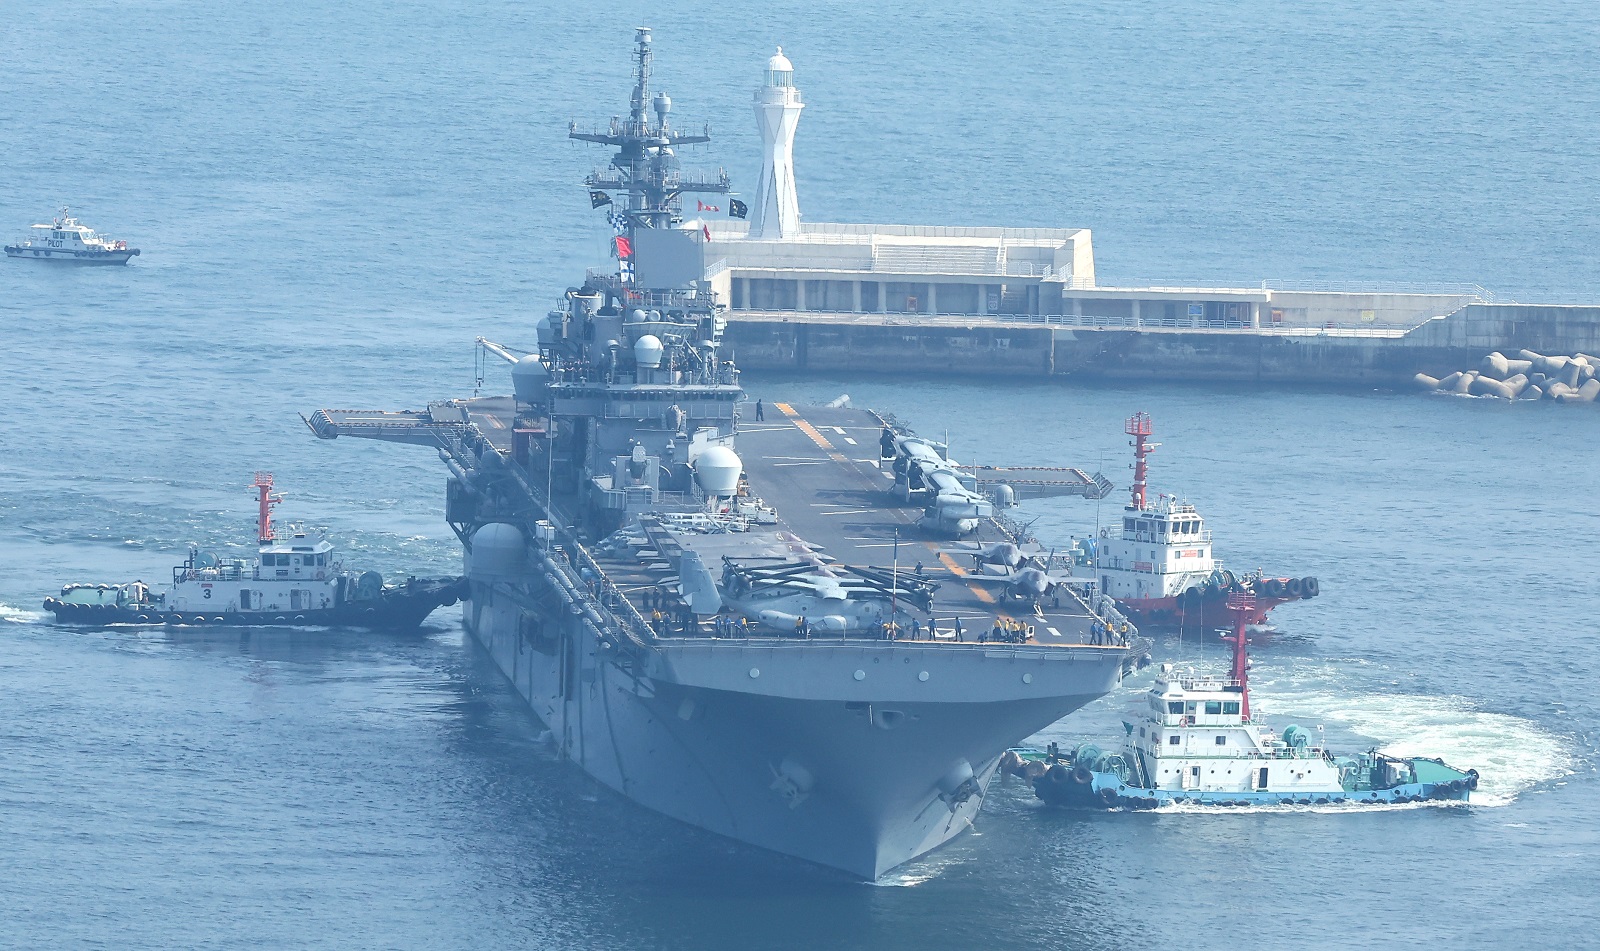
x: 1195, y: 735
x: 1161, y: 550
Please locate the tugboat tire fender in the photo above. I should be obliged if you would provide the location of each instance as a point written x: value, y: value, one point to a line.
x: 1472, y: 779
x: 1311, y: 587
x: 1294, y: 587
x: 1058, y: 775
x: 1082, y: 774
x: 1109, y: 796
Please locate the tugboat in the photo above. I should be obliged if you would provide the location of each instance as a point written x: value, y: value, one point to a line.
x: 294, y: 579
x: 68, y: 240
x: 1160, y: 569
x: 1197, y: 742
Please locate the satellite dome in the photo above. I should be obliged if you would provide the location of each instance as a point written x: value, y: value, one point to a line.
x: 780, y: 63
x: 717, y: 470
x: 647, y: 351
x: 499, y: 553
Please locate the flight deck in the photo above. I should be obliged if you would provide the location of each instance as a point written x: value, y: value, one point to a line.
x: 849, y: 518
x: 830, y: 457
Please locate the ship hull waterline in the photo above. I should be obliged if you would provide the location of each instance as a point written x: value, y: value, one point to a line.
x: 882, y: 781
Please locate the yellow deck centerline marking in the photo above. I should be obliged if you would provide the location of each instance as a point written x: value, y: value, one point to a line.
x: 816, y: 437
x: 961, y: 572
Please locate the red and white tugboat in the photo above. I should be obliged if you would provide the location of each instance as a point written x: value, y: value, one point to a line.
x: 294, y: 579
x: 1159, y: 566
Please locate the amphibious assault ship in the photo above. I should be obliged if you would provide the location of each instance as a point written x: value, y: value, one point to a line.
x: 747, y: 624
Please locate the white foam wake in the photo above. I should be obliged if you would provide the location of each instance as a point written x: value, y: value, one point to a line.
x: 1510, y: 753
x: 20, y: 616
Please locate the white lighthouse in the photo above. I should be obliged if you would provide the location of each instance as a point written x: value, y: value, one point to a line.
x: 778, y: 105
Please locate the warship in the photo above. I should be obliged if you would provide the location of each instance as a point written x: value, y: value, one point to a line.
x: 741, y: 616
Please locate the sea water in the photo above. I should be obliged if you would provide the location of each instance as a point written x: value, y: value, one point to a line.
x: 334, y: 200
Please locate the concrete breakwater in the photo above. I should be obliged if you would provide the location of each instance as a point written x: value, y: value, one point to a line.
x: 1525, y: 376
x: 1030, y: 346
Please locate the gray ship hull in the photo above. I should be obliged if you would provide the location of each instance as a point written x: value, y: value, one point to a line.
x: 886, y: 777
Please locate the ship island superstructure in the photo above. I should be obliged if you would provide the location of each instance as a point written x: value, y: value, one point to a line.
x: 725, y: 611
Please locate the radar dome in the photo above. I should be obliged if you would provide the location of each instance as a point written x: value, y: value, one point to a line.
x: 717, y: 470
x: 529, y: 378
x: 499, y: 553
x: 647, y: 351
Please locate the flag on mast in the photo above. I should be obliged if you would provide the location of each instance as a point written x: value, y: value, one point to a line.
x: 598, y: 198
x: 737, y: 208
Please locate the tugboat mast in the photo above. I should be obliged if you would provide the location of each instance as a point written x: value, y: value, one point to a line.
x: 1138, y: 427
x: 263, y: 487
x: 1243, y: 606
x: 646, y: 164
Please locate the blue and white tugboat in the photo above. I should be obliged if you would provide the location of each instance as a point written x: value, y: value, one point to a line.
x: 68, y: 240
x: 1197, y: 742
x: 294, y: 579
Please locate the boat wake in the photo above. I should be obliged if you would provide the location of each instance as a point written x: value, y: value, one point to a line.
x: 19, y: 615
x: 1512, y: 754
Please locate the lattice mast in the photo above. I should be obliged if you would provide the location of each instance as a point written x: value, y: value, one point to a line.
x: 646, y: 165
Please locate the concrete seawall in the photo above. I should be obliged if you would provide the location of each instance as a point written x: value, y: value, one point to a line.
x: 876, y: 344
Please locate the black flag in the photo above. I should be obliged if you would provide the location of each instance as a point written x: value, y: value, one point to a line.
x: 737, y: 208
x: 596, y: 199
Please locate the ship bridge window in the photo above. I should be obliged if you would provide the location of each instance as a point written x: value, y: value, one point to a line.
x: 1175, y: 706
x: 1128, y: 524
x: 1230, y: 706
x: 1213, y: 707
x: 1222, y: 740
x: 1172, y: 740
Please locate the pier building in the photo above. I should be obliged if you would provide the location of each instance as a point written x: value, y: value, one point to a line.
x: 806, y: 295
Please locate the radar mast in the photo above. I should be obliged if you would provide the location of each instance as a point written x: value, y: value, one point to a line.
x: 646, y: 165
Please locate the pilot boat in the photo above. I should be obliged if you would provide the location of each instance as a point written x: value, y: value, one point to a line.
x: 1196, y: 741
x: 294, y: 579
x: 68, y: 240
x: 1159, y: 566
